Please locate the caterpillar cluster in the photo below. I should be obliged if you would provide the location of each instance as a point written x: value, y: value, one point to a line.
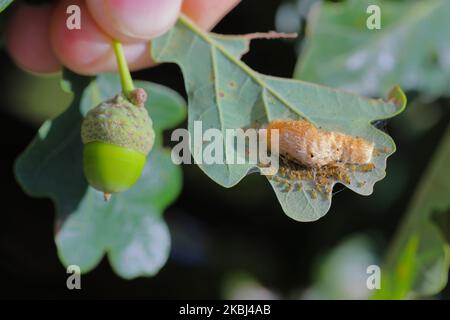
x: 318, y: 156
x: 292, y: 176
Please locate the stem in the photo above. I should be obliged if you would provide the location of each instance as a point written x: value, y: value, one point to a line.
x: 124, y: 72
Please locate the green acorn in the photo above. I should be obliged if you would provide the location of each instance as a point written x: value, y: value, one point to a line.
x: 117, y: 136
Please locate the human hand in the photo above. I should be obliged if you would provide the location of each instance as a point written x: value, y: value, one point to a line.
x: 39, y: 41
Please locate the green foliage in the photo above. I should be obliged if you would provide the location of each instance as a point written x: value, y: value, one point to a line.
x: 418, y: 261
x: 408, y: 50
x: 4, y: 4
x: 37, y: 105
x: 225, y: 93
x: 130, y: 228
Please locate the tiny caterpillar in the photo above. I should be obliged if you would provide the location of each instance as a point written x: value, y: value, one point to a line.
x: 312, y: 147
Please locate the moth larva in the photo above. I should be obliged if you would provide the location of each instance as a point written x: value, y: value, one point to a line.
x: 312, y: 147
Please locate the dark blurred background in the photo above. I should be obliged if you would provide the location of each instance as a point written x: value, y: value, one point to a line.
x: 227, y: 243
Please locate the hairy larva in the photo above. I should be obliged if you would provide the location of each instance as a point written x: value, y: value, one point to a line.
x: 312, y: 147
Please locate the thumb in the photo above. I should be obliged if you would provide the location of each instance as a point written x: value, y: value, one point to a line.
x: 207, y: 13
x: 134, y: 20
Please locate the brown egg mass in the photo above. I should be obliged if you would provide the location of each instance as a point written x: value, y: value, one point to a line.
x: 312, y: 147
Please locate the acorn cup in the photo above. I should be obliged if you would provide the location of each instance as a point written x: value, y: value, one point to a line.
x: 117, y: 136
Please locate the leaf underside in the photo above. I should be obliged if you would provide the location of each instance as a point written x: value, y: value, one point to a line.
x: 224, y: 93
x: 129, y: 228
x: 342, y: 52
